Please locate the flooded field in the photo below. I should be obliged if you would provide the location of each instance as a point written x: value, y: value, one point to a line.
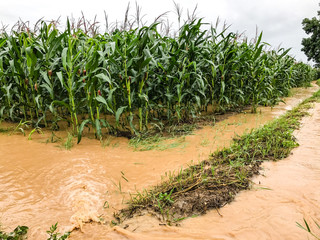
x: 44, y: 184
x: 284, y: 194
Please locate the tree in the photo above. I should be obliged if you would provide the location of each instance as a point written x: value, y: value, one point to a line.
x: 311, y: 45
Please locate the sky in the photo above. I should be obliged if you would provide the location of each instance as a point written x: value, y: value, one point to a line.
x: 279, y: 20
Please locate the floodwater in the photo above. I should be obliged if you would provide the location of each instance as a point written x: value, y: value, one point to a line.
x: 43, y: 184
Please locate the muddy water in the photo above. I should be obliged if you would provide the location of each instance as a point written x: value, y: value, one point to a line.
x: 285, y: 193
x: 42, y: 184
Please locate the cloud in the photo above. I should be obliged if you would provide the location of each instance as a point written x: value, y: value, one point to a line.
x: 280, y: 20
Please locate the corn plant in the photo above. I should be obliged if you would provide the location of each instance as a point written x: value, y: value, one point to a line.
x: 123, y: 80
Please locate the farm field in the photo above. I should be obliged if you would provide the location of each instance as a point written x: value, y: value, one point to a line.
x: 131, y: 82
x: 47, y: 184
x: 101, y: 131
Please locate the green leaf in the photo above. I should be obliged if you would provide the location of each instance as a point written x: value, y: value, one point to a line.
x: 68, y: 26
x: 258, y: 41
x: 145, y: 62
x: 64, y: 58
x: 110, y: 97
x: 119, y: 113
x: 31, y: 60
x: 102, y: 100
x: 2, y: 111
x: 49, y: 89
x: 82, y: 125
x: 61, y: 103
x: 2, y: 42
x: 45, y: 77
x: 60, y: 77
x: 75, y: 58
x: 284, y: 53
x: 257, y: 54
x: 37, y: 100
x: 103, y: 77
x: 55, y: 43
x: 98, y: 127
x: 32, y: 132
x: 223, y: 86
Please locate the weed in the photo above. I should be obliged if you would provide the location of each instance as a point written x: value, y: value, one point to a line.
x: 106, y: 143
x: 118, y: 186
x: 307, y: 228
x: 36, y: 129
x: 53, y: 138
x: 156, y: 142
x: 55, y: 235
x: 115, y: 145
x: 6, y: 130
x: 106, y: 204
x: 181, y: 130
x: 205, y: 142
x: 21, y: 127
x: 19, y: 233
x: 68, y: 144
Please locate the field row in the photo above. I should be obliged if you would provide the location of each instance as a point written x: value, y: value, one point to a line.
x: 124, y: 80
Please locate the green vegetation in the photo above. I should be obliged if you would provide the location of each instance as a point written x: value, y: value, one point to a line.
x: 123, y: 80
x: 214, y: 182
x: 310, y: 44
x: 308, y: 229
x: 5, y: 130
x: 68, y: 144
x: 19, y: 233
x: 127, y: 80
x: 55, y: 235
x: 156, y: 142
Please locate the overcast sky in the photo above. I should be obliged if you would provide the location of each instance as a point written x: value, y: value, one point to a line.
x: 280, y: 20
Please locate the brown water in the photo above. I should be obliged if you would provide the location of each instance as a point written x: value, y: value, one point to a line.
x: 284, y: 194
x: 43, y: 184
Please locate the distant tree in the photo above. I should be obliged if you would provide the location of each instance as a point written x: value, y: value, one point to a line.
x: 311, y: 45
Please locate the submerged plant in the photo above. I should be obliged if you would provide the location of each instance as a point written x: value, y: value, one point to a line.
x: 55, y: 235
x: 68, y: 144
x: 19, y: 233
x: 307, y: 228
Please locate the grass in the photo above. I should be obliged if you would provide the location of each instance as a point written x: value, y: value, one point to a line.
x: 68, y: 144
x: 21, y: 127
x: 307, y: 228
x: 156, y: 142
x: 6, y: 130
x: 205, y: 142
x: 214, y: 182
x: 53, y: 138
x: 106, y: 143
x: 36, y: 129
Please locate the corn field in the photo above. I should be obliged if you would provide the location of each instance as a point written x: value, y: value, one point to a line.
x: 127, y: 79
